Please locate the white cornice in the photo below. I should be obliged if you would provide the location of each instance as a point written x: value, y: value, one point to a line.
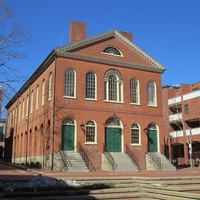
x: 108, y: 61
x: 104, y: 36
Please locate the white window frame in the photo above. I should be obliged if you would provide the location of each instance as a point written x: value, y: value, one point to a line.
x: 88, y: 126
x: 37, y: 98
x: 151, y: 93
x: 70, y: 87
x: 32, y: 99
x: 50, y: 86
x: 43, y: 92
x: 91, y: 85
x: 139, y: 134
x: 134, y: 91
x: 119, y: 86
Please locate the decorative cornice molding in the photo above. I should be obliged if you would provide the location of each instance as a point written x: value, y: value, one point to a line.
x: 108, y: 61
x: 106, y: 35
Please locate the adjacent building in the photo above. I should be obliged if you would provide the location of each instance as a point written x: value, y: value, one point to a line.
x: 182, y: 122
x: 94, y: 95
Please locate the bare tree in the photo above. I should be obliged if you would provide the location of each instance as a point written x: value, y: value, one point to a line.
x: 12, y: 37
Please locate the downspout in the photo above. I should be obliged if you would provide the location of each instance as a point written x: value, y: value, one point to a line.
x: 53, y: 120
x: 27, y: 121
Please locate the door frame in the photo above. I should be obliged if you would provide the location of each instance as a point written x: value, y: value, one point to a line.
x: 114, y: 122
x: 68, y: 120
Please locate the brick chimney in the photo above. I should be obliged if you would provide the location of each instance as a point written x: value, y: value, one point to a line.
x: 77, y: 31
x: 127, y: 35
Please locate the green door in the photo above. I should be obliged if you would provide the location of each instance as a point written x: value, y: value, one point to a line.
x: 68, y: 137
x: 152, y: 140
x: 113, y: 139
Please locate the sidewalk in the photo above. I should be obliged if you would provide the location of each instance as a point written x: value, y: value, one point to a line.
x: 27, y: 172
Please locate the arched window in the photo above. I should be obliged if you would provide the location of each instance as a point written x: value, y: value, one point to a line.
x: 19, y: 115
x: 90, y: 132
x: 37, y: 98
x: 134, y: 91
x: 50, y: 86
x: 32, y: 99
x: 27, y: 105
x: 90, y: 85
x: 23, y: 102
x: 43, y: 92
x: 135, y: 134
x: 151, y: 87
x: 112, y: 51
x: 69, y: 83
x: 113, y: 83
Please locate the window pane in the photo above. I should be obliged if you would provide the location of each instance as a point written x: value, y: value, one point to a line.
x: 112, y: 87
x: 90, y: 85
x: 90, y: 131
x: 135, y: 137
x: 151, y: 93
x: 69, y: 83
x: 134, y: 91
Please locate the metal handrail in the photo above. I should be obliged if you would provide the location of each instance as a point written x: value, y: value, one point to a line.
x: 173, y: 159
x: 65, y: 159
x: 86, y: 158
x: 133, y: 157
x: 109, y: 158
x: 156, y: 160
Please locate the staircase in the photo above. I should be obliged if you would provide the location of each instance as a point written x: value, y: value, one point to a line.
x: 123, y: 163
x: 70, y: 161
x: 157, y: 161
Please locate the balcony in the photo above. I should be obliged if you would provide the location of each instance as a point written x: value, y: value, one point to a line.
x: 174, y: 100
x: 186, y: 97
x: 175, y: 117
x: 191, y: 95
x: 179, y: 133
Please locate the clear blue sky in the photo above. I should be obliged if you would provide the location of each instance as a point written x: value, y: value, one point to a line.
x: 168, y: 30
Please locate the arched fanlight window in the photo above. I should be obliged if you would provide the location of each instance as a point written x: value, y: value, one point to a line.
x: 112, y: 51
x: 112, y: 122
x: 68, y: 121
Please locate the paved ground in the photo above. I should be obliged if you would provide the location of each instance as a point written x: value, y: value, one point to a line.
x: 9, y: 172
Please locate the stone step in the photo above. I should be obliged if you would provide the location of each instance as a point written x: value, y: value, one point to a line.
x: 77, y: 162
x: 166, y: 165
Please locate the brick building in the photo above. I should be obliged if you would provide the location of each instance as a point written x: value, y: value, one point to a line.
x: 93, y: 95
x: 182, y: 122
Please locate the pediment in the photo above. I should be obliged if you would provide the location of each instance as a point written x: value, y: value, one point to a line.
x: 93, y: 48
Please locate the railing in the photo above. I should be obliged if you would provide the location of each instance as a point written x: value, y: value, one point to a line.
x: 169, y: 155
x: 109, y: 158
x: 86, y: 158
x: 156, y: 160
x: 133, y: 157
x: 65, y: 159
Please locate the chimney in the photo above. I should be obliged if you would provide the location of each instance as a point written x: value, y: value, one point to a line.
x: 77, y: 31
x: 127, y: 35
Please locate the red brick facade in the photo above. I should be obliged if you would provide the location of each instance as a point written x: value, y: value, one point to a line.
x: 182, y: 122
x: 40, y: 132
